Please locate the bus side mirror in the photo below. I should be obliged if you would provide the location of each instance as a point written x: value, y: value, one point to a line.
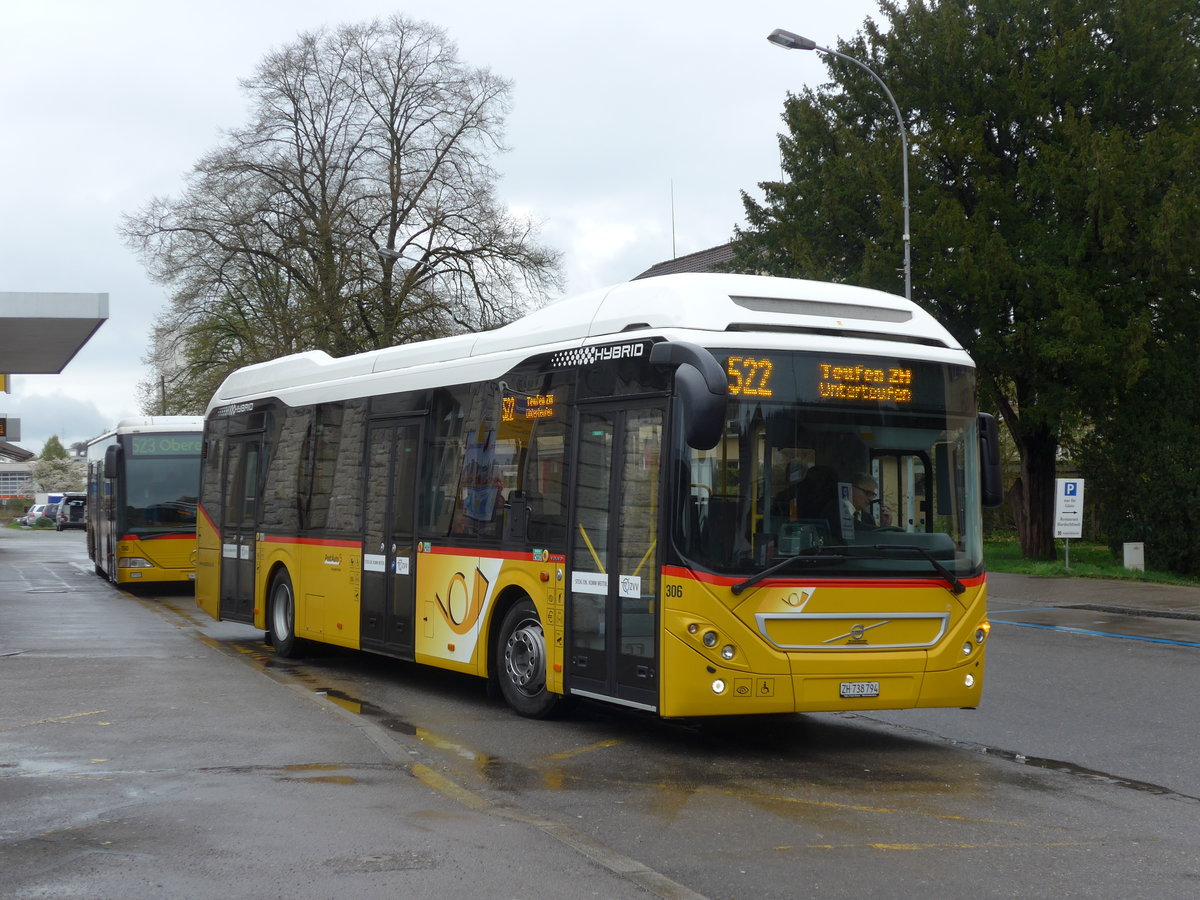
x: 111, y: 455
x: 991, y: 483
x: 701, y: 388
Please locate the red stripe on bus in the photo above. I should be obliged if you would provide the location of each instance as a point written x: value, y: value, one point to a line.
x: 181, y: 536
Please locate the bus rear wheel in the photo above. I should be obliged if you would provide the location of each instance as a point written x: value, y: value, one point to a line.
x: 282, y: 616
x: 521, y: 663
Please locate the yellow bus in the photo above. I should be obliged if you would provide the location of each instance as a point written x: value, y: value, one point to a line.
x: 694, y: 495
x: 143, y: 478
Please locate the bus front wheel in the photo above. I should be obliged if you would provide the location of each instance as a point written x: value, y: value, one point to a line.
x: 521, y: 663
x: 282, y: 616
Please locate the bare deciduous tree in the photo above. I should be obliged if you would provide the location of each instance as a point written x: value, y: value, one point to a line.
x: 369, y: 138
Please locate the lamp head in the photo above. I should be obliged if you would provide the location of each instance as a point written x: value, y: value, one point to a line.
x: 790, y: 41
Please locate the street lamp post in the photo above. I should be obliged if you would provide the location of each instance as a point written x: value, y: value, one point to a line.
x: 790, y: 41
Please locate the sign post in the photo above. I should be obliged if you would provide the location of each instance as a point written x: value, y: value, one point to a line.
x: 1068, y: 513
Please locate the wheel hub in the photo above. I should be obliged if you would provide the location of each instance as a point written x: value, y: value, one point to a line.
x: 525, y: 658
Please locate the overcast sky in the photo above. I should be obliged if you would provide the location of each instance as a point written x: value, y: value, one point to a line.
x: 618, y: 108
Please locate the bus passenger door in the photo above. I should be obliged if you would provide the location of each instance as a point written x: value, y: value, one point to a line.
x: 613, y: 589
x: 239, y: 523
x: 389, y: 550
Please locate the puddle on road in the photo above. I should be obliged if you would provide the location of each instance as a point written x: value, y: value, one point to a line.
x: 344, y: 700
x: 304, y: 768
x: 1058, y: 765
x: 325, y: 779
x: 500, y: 774
x: 398, y: 725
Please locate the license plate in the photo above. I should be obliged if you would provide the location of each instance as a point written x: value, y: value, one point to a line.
x: 860, y: 688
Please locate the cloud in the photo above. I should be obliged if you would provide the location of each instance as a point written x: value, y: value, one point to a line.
x: 42, y: 415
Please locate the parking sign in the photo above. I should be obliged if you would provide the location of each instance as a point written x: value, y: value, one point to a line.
x: 1068, y: 507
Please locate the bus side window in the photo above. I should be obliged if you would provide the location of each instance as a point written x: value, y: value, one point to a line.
x: 545, y: 480
x: 280, y: 508
x: 444, y: 462
x: 322, y: 461
x: 345, y: 478
x: 210, y: 471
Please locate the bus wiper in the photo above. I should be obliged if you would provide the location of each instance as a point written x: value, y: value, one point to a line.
x: 812, y: 555
x: 956, y: 586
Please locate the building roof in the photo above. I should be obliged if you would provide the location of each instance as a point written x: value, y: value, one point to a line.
x: 710, y: 260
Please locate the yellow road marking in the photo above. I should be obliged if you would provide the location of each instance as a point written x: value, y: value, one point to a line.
x: 579, y: 751
x: 973, y: 846
x: 448, y: 788
x: 54, y: 719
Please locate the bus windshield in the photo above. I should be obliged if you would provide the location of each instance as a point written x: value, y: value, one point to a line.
x: 160, y: 491
x: 836, y: 466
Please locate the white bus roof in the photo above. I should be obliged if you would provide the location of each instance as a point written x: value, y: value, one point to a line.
x: 702, y: 308
x: 152, y: 425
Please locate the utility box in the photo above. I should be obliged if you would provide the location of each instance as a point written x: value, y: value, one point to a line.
x: 1135, y: 556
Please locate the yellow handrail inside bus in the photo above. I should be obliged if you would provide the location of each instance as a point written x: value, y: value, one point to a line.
x: 592, y: 550
x: 638, y: 570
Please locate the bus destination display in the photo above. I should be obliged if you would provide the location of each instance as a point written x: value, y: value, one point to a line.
x: 531, y: 406
x: 165, y: 444
x: 866, y: 384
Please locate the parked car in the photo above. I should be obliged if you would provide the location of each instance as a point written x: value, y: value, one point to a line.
x: 34, y: 513
x: 72, y: 513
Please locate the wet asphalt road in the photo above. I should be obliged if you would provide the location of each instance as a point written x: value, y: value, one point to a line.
x: 146, y: 751
x: 139, y: 759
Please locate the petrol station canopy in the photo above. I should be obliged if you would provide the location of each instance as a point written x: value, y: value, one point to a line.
x: 41, y: 332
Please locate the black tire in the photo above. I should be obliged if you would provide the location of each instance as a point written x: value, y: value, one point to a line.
x: 521, y: 663
x: 281, y: 616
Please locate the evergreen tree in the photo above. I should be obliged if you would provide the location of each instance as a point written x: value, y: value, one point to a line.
x: 53, y: 449
x: 1053, y: 196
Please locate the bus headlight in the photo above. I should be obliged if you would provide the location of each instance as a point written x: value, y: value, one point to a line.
x: 728, y: 651
x: 967, y: 648
x: 981, y: 632
x: 133, y: 562
x: 710, y: 639
x: 718, y: 686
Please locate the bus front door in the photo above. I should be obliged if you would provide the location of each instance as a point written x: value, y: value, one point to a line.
x: 239, y: 524
x: 613, y: 590
x: 389, y: 549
